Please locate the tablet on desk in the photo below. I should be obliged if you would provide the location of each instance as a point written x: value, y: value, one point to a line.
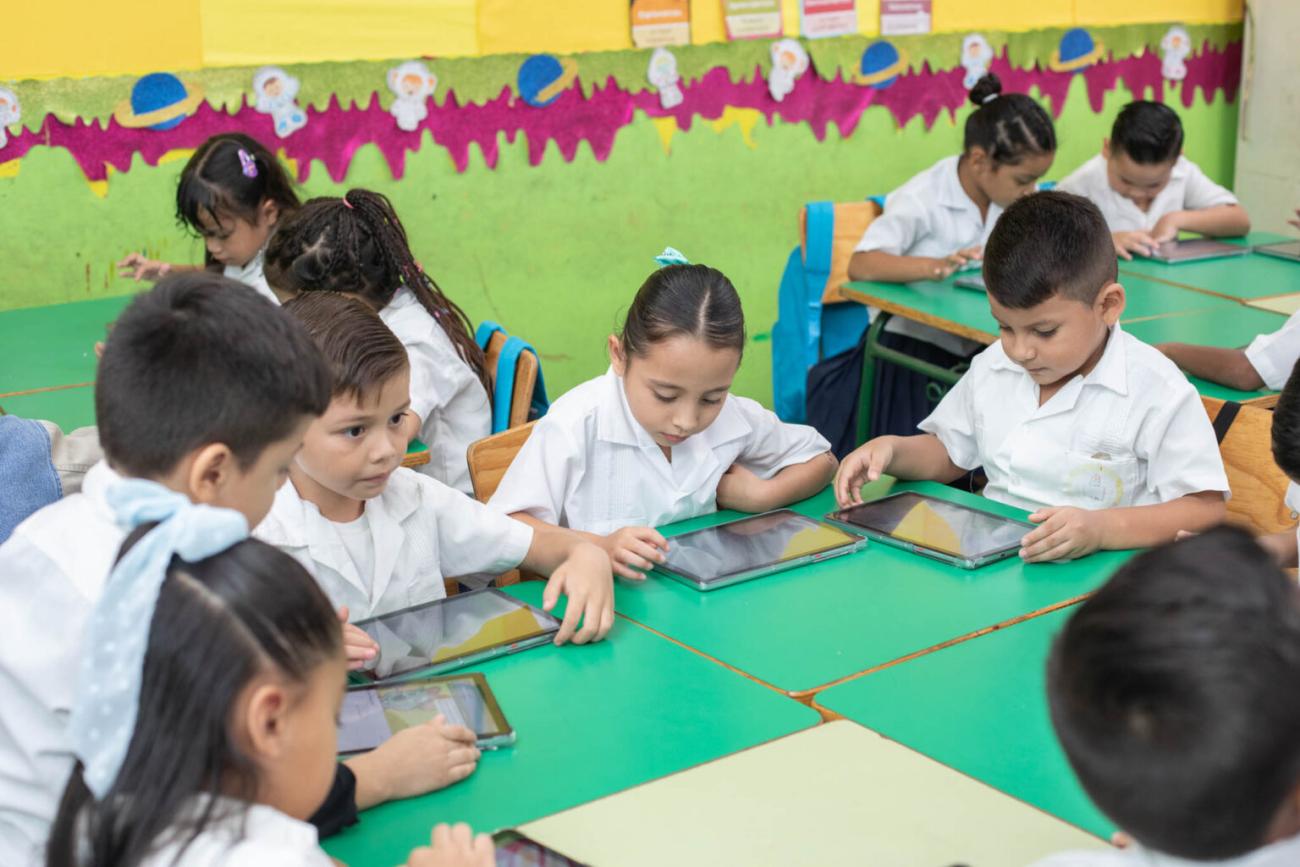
x: 372, y: 714
x: 1194, y: 250
x: 750, y: 547
x: 971, y: 281
x: 454, y: 632
x: 946, y: 531
x: 1288, y: 250
x: 516, y: 850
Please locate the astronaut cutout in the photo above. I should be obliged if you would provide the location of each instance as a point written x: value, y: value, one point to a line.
x: 1174, y: 48
x: 9, y: 113
x: 413, y: 84
x: 663, y: 75
x: 976, y: 55
x: 275, y: 93
x: 789, y: 61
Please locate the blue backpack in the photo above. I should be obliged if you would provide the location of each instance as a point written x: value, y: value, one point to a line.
x: 505, y: 379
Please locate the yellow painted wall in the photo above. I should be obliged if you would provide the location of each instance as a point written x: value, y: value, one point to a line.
x: 85, y: 37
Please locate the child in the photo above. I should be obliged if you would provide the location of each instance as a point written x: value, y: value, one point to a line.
x: 356, y: 244
x: 1169, y: 690
x: 205, y: 723
x: 232, y: 193
x: 1265, y: 363
x: 1147, y: 190
x: 207, y: 389
x: 380, y: 538
x: 1093, y: 431
x: 659, y: 438
x: 1286, y: 454
x: 938, y: 222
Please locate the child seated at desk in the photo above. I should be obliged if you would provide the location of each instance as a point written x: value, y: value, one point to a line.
x: 1171, y: 692
x: 1286, y: 454
x: 1265, y: 363
x: 1093, y: 431
x: 1147, y: 190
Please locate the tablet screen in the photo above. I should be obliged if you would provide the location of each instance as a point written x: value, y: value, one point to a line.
x: 752, y: 543
x: 937, y: 525
x: 1291, y: 249
x: 516, y: 850
x: 452, y: 628
x: 1196, y: 248
x: 373, y: 714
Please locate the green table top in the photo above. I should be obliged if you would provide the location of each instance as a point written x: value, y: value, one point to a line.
x: 54, y: 345
x: 979, y: 707
x: 592, y: 720
x: 1251, y: 276
x: 69, y: 408
x: 804, y: 628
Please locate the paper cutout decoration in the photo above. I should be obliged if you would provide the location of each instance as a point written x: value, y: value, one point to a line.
x: 881, y: 65
x: 789, y: 61
x: 275, y: 92
x: 656, y: 23
x: 1174, y: 48
x: 822, y: 18
x: 752, y: 19
x: 976, y: 55
x: 158, y: 101
x: 543, y: 77
x: 663, y: 75
x: 905, y: 17
x: 412, y: 83
x: 10, y: 113
x: 1077, y: 51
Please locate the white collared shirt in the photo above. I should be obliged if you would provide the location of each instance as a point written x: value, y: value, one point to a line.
x: 1285, y: 853
x: 590, y: 466
x: 256, y: 836
x: 1132, y: 432
x: 1274, y: 355
x: 931, y: 216
x: 446, y: 394
x: 252, y: 275
x: 1189, y: 189
x: 422, y: 530
x: 52, y: 571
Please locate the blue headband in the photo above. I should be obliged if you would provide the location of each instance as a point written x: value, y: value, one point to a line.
x: 671, y: 256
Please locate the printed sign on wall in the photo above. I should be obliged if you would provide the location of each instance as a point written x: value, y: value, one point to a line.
x: 898, y: 17
x: 661, y: 22
x: 752, y: 19
x: 822, y: 18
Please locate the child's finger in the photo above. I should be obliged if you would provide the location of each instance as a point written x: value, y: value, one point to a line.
x: 628, y: 572
x: 649, y: 553
x: 551, y: 594
x: 463, y: 756
x: 654, y: 537
x: 1062, y: 551
x: 457, y: 733
x: 572, y: 617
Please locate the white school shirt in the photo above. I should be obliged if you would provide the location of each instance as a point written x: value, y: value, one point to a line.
x: 52, y: 571
x: 590, y: 466
x: 1132, y: 432
x: 930, y: 215
x: 1285, y: 853
x: 1274, y: 355
x: 448, y: 397
x: 1189, y: 189
x: 422, y: 530
x: 256, y: 836
x: 252, y: 275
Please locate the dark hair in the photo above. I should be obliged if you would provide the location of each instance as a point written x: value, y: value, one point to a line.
x: 356, y: 343
x: 218, y: 623
x: 1170, y: 690
x: 1149, y: 132
x: 202, y: 359
x: 694, y: 300
x: 357, y: 244
x: 1286, y: 426
x: 1047, y: 244
x: 213, y: 182
x: 1008, y: 127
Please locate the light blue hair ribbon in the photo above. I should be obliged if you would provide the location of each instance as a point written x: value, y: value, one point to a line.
x: 670, y: 256
x: 112, y: 663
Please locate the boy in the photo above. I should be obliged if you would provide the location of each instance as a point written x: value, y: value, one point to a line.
x: 206, y: 388
x: 380, y: 538
x: 1170, y: 692
x: 1094, y: 432
x: 1147, y: 190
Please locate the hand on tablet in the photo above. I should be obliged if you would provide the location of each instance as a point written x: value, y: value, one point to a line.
x: 863, y: 465
x: 359, y: 647
x: 1128, y: 243
x: 1063, y: 533
x: 415, y: 760
x: 585, y: 577
x: 634, y: 550
x: 1168, y: 227
x: 454, y: 846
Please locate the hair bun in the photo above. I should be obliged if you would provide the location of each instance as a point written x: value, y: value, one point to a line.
x: 987, y: 88
x: 313, y: 266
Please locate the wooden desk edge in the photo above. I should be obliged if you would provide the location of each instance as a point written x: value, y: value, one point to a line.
x: 859, y: 297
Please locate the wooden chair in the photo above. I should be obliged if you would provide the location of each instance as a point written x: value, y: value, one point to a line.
x: 525, y: 378
x: 1258, y: 486
x: 489, y: 458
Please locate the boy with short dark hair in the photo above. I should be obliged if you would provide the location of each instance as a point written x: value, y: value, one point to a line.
x: 1171, y: 692
x: 1147, y: 190
x: 1091, y: 430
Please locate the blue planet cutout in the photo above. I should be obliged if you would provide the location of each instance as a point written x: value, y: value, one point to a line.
x: 158, y: 101
x: 1077, y: 50
x: 881, y: 65
x: 543, y: 77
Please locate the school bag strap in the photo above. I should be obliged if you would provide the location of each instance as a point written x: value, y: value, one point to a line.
x: 1227, y: 415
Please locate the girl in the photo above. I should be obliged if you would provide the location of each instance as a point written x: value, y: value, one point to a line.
x: 206, y: 725
x: 357, y: 245
x: 937, y: 223
x: 232, y: 194
x: 659, y: 438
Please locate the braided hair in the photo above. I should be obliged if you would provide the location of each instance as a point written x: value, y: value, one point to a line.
x: 357, y: 244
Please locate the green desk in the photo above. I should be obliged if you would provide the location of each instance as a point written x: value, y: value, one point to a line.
x: 69, y: 408
x: 1242, y: 278
x: 592, y: 721
x: 803, y: 629
x: 979, y: 707
x: 55, y: 345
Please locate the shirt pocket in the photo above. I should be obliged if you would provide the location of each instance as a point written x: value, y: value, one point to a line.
x: 1098, y: 480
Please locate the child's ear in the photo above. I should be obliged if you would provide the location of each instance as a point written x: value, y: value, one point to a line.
x: 1110, y: 302
x: 263, y: 719
x: 616, y: 357
x: 269, y: 212
x: 979, y: 159
x: 210, y: 472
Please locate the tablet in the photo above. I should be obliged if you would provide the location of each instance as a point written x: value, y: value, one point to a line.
x: 1289, y: 250
x: 971, y: 281
x: 372, y: 714
x: 516, y: 850
x: 749, y: 547
x: 452, y: 633
x: 1195, y: 249
x: 936, y: 528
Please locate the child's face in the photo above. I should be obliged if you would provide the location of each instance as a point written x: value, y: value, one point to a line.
x: 251, y: 491
x: 676, y: 389
x: 1060, y: 337
x: 1005, y: 183
x: 233, y: 240
x: 1140, y: 182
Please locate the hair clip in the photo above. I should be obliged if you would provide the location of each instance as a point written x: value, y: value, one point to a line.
x: 247, y: 164
x: 346, y: 203
x: 989, y: 98
x: 670, y: 256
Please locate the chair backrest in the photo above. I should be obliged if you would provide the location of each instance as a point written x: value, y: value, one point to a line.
x: 849, y: 221
x: 527, y: 369
x: 490, y: 457
x: 1258, y: 486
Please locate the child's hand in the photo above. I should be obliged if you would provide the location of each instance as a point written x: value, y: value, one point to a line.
x: 864, y: 464
x: 741, y: 490
x: 965, y: 258
x: 1064, y: 533
x: 359, y: 647
x: 1128, y: 243
x: 634, y: 550
x: 1167, y: 227
x: 454, y: 846
x: 137, y: 267
x: 585, y: 577
x: 419, y: 759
